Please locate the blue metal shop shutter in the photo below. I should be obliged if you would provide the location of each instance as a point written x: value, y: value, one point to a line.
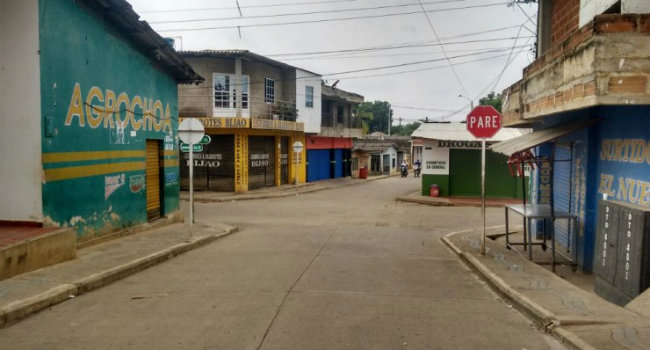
x: 312, y: 166
x: 324, y: 164
x: 562, y: 191
x: 338, y: 166
x: 319, y: 164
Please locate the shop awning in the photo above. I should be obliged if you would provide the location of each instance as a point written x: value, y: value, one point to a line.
x: 536, y: 138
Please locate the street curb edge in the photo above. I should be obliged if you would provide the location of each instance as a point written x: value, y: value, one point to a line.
x: 544, y: 317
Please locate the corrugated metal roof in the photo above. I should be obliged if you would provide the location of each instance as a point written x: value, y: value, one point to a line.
x: 372, y: 146
x: 235, y: 53
x: 538, y: 137
x: 120, y: 15
x: 336, y: 93
x: 458, y: 132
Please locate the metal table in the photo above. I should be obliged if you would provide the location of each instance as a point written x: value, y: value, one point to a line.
x: 539, y: 212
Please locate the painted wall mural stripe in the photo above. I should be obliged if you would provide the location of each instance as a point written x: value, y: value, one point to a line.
x: 170, y: 163
x: 92, y: 155
x: 67, y: 173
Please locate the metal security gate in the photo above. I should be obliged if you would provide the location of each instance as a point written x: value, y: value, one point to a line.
x: 318, y: 167
x: 347, y: 160
x: 214, y: 167
x: 338, y: 163
x: 284, y: 160
x: 261, y: 161
x: 153, y: 179
x: 562, y: 190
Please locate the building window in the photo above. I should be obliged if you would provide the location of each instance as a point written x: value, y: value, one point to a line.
x: 225, y: 90
x: 309, y: 96
x: 339, y: 114
x: 244, y: 92
x: 355, y: 164
x: 269, y: 90
x: 221, y: 90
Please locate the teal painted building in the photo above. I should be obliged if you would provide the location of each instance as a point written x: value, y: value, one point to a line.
x: 102, y: 141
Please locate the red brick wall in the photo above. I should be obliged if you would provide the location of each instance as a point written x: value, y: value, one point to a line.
x: 564, y: 19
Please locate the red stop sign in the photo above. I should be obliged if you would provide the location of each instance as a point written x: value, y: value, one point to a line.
x: 483, y: 122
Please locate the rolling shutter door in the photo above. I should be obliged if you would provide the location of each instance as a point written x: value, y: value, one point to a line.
x: 562, y: 191
x: 261, y: 162
x: 284, y: 160
x: 319, y: 164
x: 338, y: 163
x: 220, y: 164
x: 214, y: 167
x: 153, y: 179
x: 312, y: 165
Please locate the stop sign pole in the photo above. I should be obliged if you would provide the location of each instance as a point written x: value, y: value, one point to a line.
x: 483, y: 122
x: 191, y: 131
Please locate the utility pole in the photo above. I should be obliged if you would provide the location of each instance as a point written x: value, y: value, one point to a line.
x: 390, y: 117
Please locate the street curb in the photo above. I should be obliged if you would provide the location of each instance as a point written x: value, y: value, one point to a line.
x: 544, y: 317
x: 288, y: 193
x: 445, y: 204
x: 21, y: 309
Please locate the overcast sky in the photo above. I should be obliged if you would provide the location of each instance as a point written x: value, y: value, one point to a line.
x: 487, y: 43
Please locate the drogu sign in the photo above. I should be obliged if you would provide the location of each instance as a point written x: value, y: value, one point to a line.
x: 110, y: 110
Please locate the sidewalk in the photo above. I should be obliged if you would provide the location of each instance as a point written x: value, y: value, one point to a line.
x: 98, y: 265
x: 278, y: 192
x: 576, y: 316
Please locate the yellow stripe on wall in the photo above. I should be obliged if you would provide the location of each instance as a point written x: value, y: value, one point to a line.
x: 80, y: 156
x: 170, y: 163
x: 91, y: 170
x: 169, y: 153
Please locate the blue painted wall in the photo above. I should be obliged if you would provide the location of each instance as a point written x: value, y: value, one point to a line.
x: 611, y: 157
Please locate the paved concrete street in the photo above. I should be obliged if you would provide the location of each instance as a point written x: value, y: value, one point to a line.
x: 342, y: 268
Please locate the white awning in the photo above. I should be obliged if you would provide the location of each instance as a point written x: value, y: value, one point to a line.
x: 536, y: 138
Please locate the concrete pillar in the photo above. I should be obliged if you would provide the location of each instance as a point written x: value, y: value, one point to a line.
x: 238, y: 86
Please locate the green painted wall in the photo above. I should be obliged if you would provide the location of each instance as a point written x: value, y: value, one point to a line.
x: 467, y: 164
x: 440, y: 180
x: 498, y: 182
x: 91, y: 81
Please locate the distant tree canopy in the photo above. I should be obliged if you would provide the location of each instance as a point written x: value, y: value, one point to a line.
x: 404, y: 130
x: 493, y: 99
x: 374, y: 116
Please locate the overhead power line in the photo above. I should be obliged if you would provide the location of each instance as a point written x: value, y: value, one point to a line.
x: 325, y: 19
x: 395, y: 47
x: 336, y: 56
x: 451, y: 65
x: 259, y: 6
x: 400, y: 45
x: 308, y: 13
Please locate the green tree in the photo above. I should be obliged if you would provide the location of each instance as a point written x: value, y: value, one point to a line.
x: 375, y: 115
x: 493, y: 99
x: 404, y: 130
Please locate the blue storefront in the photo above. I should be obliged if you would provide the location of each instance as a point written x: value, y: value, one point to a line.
x: 606, y: 157
x: 328, y: 157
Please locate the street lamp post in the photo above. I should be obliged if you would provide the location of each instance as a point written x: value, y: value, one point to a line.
x: 471, y: 102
